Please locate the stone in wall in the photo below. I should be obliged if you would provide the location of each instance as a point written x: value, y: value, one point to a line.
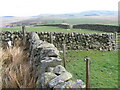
x: 60, y: 79
x: 70, y: 84
x: 67, y: 84
x: 59, y: 69
x: 45, y: 78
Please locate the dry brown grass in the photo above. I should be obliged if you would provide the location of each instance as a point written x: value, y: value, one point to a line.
x: 1, y: 54
x: 17, y: 72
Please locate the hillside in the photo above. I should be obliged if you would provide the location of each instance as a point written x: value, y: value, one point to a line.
x: 87, y: 17
x: 4, y: 20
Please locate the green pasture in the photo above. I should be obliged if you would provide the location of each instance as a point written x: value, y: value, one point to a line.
x: 49, y: 29
x: 78, y: 21
x: 104, y: 67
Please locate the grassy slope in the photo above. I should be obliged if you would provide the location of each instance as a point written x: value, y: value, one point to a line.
x: 79, y: 21
x: 50, y: 29
x: 104, y: 67
x: 84, y: 20
x: 75, y: 20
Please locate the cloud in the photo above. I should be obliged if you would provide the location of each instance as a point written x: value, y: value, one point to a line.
x: 35, y: 7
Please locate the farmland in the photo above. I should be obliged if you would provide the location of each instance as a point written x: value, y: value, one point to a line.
x: 75, y: 20
x: 106, y: 20
x: 49, y: 29
x: 104, y: 64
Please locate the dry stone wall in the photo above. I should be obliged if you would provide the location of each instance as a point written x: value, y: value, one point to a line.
x: 73, y: 41
x: 65, y: 26
x: 97, y: 27
x: 7, y: 36
x: 50, y: 73
x: 77, y: 41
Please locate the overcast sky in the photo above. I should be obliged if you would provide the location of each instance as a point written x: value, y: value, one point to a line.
x: 36, y: 7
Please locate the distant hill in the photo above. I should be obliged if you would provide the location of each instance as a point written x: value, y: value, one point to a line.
x: 4, y: 20
x: 7, y: 16
x: 85, y: 13
x: 98, y: 13
x: 102, y: 17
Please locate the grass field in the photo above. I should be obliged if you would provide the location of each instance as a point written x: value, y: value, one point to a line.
x: 85, y: 20
x: 78, y: 21
x: 114, y: 24
x: 50, y: 29
x: 104, y: 67
x: 74, y: 20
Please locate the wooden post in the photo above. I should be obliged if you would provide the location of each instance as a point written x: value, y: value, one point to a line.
x: 116, y: 40
x: 24, y: 36
x: 51, y: 38
x: 87, y: 73
x: 64, y: 55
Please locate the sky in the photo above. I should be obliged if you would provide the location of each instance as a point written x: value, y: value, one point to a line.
x: 37, y: 7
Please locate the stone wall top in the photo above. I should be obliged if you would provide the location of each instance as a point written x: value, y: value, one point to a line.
x: 73, y: 41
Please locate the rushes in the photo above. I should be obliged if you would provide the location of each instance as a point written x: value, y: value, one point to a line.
x: 17, y: 72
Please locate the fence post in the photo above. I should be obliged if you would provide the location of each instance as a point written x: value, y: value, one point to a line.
x: 24, y: 36
x: 116, y: 40
x: 64, y: 55
x: 87, y: 73
x: 51, y: 38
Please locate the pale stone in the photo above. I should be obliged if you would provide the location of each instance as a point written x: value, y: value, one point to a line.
x: 45, y: 78
x: 59, y: 69
x: 34, y: 36
x: 79, y: 84
x: 46, y: 45
x: 60, y: 79
x: 50, y: 69
x: 50, y: 52
x: 67, y: 84
x: 51, y: 62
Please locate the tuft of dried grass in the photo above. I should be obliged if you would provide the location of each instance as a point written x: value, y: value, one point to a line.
x: 17, y: 72
x: 1, y: 54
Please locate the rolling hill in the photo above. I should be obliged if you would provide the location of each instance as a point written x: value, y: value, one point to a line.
x: 99, y: 17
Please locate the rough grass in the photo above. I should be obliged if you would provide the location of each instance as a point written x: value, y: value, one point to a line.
x: 104, y: 67
x: 16, y: 70
x: 50, y: 29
